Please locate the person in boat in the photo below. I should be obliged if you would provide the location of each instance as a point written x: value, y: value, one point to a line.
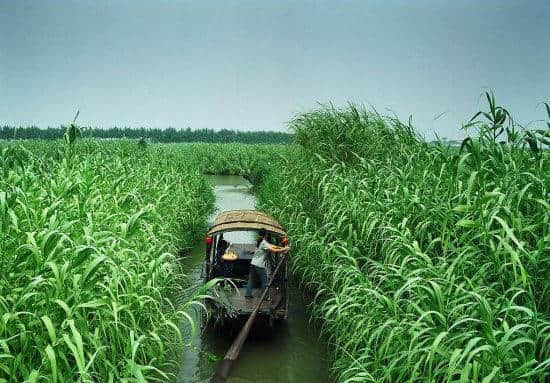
x: 227, y: 267
x: 258, y: 264
x: 222, y: 246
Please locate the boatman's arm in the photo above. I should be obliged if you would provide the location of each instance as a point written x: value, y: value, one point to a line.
x: 278, y: 249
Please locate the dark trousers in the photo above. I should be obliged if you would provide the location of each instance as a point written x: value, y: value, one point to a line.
x: 256, y: 274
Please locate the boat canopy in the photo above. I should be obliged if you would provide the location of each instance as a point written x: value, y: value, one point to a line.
x: 243, y: 220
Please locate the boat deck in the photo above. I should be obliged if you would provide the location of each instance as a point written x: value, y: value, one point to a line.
x: 244, y: 306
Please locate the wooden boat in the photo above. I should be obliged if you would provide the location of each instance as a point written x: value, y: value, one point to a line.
x: 231, y: 262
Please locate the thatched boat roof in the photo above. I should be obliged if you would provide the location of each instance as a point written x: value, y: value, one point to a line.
x: 237, y: 220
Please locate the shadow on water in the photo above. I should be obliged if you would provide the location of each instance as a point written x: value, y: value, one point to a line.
x: 291, y: 352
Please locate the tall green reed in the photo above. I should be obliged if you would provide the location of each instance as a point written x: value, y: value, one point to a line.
x: 429, y: 264
x: 88, y: 257
x: 253, y: 162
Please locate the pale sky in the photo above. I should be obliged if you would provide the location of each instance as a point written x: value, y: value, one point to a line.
x: 252, y: 65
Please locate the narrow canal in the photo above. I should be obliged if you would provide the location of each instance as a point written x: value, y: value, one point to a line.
x: 292, y: 353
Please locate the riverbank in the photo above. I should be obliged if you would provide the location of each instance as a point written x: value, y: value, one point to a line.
x: 90, y: 234
x: 431, y: 264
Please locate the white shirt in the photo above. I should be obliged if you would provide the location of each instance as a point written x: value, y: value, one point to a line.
x: 260, y: 253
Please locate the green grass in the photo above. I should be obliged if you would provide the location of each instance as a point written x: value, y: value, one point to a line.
x: 89, y: 275
x: 429, y: 264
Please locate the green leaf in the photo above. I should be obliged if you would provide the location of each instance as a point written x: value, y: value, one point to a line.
x: 92, y: 268
x: 50, y: 328
x: 53, y: 362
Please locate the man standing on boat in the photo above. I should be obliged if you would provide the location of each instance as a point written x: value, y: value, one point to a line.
x: 258, y: 264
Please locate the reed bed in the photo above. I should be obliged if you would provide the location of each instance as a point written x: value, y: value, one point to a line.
x: 430, y: 263
x: 90, y: 278
x: 251, y: 161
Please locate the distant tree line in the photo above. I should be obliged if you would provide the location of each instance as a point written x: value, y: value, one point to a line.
x: 155, y: 135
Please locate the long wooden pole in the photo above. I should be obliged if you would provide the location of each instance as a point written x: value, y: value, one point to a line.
x: 224, y: 366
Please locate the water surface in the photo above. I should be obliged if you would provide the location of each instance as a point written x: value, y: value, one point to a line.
x: 291, y: 353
